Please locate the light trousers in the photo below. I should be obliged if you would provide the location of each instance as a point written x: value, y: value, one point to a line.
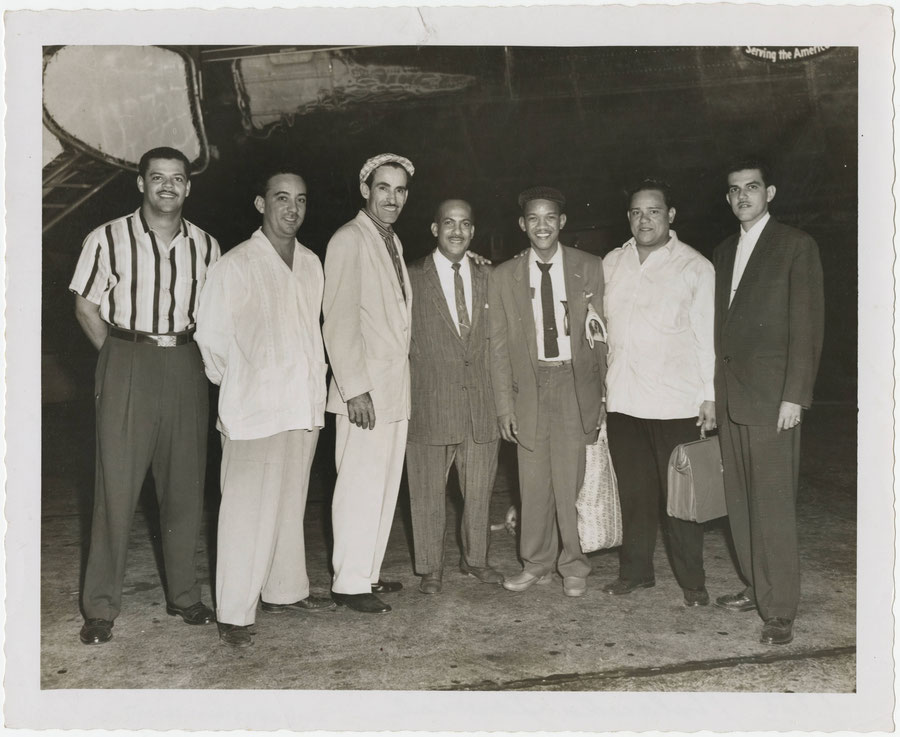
x: 369, y: 467
x: 261, y: 546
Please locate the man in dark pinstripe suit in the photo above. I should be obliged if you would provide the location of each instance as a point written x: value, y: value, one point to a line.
x: 452, y: 408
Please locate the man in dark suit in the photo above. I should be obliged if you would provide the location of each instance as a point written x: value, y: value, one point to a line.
x: 548, y: 385
x: 452, y: 407
x: 768, y: 334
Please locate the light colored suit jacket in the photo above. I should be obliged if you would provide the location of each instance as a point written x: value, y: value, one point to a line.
x: 513, y: 344
x: 451, y: 384
x: 769, y: 340
x: 367, y: 322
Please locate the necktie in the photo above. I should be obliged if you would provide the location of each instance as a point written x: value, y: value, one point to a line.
x: 387, y: 235
x: 551, y: 349
x: 462, y: 313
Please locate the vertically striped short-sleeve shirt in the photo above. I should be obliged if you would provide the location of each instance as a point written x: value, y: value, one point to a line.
x: 139, y: 282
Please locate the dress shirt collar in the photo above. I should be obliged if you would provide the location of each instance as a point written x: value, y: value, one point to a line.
x: 445, y: 265
x: 534, y: 259
x: 753, y: 234
x: 386, y: 231
x: 667, y: 247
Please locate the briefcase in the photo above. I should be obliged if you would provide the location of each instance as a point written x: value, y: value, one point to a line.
x: 696, y: 484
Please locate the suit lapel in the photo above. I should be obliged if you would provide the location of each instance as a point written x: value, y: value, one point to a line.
x: 574, y: 299
x: 479, y: 294
x: 751, y: 273
x: 522, y: 298
x: 436, y: 294
x: 727, y: 267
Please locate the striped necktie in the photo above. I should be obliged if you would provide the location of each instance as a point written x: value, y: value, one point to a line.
x: 387, y: 235
x: 462, y: 312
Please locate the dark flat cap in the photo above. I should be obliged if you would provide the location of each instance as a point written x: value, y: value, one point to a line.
x: 542, y: 193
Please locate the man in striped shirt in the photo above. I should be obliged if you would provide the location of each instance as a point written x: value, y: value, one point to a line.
x: 137, y: 287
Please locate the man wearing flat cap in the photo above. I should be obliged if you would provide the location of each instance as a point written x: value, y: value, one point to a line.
x: 548, y: 385
x: 367, y: 307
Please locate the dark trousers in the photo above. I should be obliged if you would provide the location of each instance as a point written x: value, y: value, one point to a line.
x: 640, y: 451
x: 761, y: 479
x: 152, y: 408
x: 428, y: 467
x: 550, y: 477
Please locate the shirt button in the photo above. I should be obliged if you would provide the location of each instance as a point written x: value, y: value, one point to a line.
x: 726, y: 359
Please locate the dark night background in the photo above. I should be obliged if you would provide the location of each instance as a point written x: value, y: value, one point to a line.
x: 589, y: 121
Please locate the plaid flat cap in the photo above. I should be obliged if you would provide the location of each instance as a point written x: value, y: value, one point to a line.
x: 542, y: 193
x: 382, y: 159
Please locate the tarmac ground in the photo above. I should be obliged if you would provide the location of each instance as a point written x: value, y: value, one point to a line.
x: 472, y: 636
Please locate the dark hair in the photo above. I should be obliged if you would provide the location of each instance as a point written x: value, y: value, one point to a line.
x: 751, y: 162
x: 261, y: 181
x: 550, y: 194
x: 163, y: 152
x: 395, y: 165
x: 437, y: 210
x: 656, y: 185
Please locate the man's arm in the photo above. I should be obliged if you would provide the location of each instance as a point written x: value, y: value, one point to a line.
x: 88, y: 315
x: 501, y: 371
x: 702, y: 320
x: 215, y: 327
x: 807, y: 324
x: 342, y: 329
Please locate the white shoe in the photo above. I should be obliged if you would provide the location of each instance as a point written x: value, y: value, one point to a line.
x: 524, y: 580
x: 574, y: 586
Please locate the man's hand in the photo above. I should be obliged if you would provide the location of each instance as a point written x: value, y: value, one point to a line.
x: 361, y: 411
x: 88, y: 316
x: 509, y: 427
x: 788, y: 416
x: 706, y: 417
x: 478, y: 259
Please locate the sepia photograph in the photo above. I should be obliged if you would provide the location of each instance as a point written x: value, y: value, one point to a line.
x: 450, y: 368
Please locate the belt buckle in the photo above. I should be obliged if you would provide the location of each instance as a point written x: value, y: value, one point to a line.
x: 166, y: 341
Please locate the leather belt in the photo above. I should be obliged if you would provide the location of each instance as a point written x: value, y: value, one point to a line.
x: 160, y: 341
x: 552, y: 364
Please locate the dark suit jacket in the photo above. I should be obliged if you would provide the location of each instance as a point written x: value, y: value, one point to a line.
x: 514, y: 359
x: 450, y: 383
x: 769, y: 340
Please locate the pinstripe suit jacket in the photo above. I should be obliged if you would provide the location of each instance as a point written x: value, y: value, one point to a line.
x: 769, y: 340
x: 449, y: 377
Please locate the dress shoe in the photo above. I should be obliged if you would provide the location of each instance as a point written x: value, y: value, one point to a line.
x: 485, y: 575
x: 235, y: 635
x: 623, y: 586
x: 366, y: 603
x: 696, y: 597
x: 431, y: 583
x: 524, y: 580
x: 574, y: 585
x: 742, y: 602
x: 197, y: 613
x: 386, y: 587
x: 777, y: 631
x: 96, y: 631
x: 309, y: 604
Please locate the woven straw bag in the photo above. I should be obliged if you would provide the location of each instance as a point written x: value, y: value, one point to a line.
x: 598, y: 507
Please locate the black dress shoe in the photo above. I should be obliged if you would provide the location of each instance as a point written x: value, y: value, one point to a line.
x: 386, y: 587
x: 96, y: 631
x: 623, y: 586
x: 696, y: 597
x: 365, y: 603
x: 777, y: 631
x: 741, y: 602
x: 431, y: 583
x: 197, y: 613
x: 309, y: 604
x: 235, y: 635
